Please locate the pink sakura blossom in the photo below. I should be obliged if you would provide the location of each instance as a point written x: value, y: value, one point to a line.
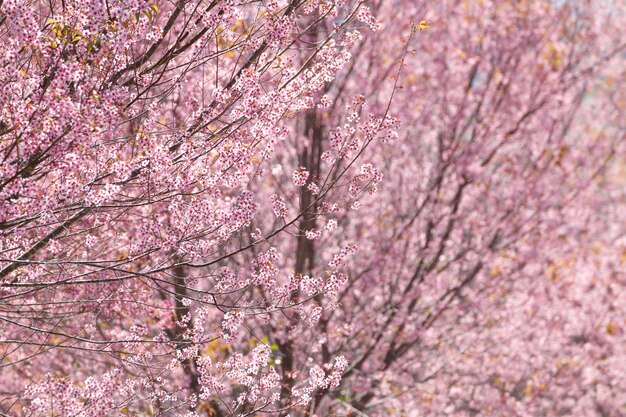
x: 299, y: 177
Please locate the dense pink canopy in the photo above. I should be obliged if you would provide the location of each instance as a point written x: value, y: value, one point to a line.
x: 312, y: 207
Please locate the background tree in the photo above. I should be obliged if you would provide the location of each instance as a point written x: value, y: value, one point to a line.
x: 454, y: 303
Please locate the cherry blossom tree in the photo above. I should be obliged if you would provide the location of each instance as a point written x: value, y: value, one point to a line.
x: 137, y: 147
x: 457, y: 302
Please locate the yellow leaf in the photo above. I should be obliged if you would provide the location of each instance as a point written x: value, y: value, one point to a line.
x: 495, y: 271
x: 206, y: 406
x: 423, y: 24
x: 611, y: 329
x: 528, y: 390
x: 554, y: 56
